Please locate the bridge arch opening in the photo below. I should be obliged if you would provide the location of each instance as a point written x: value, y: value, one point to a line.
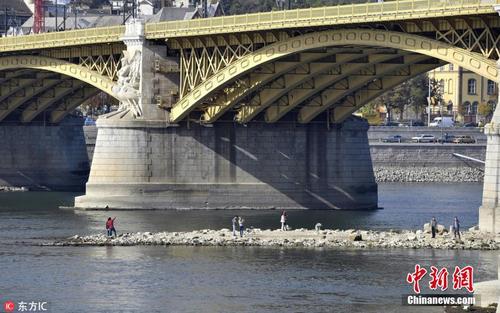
x: 409, y: 46
x: 33, y: 84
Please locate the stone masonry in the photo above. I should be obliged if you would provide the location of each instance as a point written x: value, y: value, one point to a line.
x: 44, y: 157
x: 150, y: 165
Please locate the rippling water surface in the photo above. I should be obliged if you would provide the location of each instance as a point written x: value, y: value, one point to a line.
x: 224, y: 279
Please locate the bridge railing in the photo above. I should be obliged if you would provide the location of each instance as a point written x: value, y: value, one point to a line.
x: 62, y: 39
x: 322, y: 16
x: 332, y: 15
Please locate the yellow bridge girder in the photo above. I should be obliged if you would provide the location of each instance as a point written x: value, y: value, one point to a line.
x: 330, y: 97
x: 45, y: 100
x: 285, y: 99
x: 360, y: 98
x: 247, y: 85
x: 15, y: 85
x: 331, y: 38
x: 69, y: 103
x: 291, y: 19
x: 19, y: 98
x: 267, y: 96
x: 78, y: 72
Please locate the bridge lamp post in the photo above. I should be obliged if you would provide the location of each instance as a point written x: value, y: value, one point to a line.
x: 429, y: 102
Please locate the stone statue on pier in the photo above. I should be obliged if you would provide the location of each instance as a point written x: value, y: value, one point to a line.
x: 128, y: 84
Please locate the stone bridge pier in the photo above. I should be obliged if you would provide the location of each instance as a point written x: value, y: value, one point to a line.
x: 489, y: 212
x: 143, y: 161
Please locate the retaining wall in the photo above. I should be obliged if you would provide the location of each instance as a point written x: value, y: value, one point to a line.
x: 44, y: 157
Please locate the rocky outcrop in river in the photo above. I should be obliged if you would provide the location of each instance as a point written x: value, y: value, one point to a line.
x: 427, y: 174
x: 295, y: 238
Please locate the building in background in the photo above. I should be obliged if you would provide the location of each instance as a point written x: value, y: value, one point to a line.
x: 466, y: 96
x: 78, y: 17
x: 13, y: 13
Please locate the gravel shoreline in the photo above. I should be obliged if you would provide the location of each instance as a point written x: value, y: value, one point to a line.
x: 397, y: 174
x: 471, y: 240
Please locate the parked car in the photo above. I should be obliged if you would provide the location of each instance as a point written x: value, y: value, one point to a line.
x: 411, y: 123
x: 470, y: 125
x: 393, y: 138
x: 424, y: 138
x: 390, y: 124
x: 464, y: 139
x: 418, y: 123
x: 446, y: 139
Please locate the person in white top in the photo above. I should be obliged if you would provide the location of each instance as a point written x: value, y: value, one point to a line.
x: 283, y: 220
x: 241, y: 222
x: 235, y: 222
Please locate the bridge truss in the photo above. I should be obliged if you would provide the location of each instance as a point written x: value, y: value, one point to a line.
x: 299, y: 64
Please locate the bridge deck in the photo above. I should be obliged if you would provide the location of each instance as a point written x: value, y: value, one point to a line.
x: 301, y: 18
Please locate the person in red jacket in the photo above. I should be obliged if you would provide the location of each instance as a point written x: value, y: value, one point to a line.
x: 110, y: 226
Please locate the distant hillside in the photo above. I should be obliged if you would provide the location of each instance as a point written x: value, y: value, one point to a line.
x: 251, y: 6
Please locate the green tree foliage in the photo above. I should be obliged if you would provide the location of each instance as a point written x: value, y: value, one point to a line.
x: 486, y: 110
x: 232, y: 7
x: 437, y: 91
x: 408, y: 95
x: 418, y: 93
x: 462, y: 109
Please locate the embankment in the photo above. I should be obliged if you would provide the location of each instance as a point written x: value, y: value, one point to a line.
x: 411, y: 162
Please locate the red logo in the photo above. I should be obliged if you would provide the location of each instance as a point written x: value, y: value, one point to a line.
x: 415, y: 277
x: 9, y: 306
x: 463, y: 278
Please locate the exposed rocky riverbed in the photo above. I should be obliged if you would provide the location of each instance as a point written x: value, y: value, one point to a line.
x: 428, y: 174
x: 295, y: 238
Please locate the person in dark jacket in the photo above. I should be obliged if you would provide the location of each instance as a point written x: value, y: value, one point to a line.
x: 456, y: 228
x: 110, y: 226
x: 433, y: 227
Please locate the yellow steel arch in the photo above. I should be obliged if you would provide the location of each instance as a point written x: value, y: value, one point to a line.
x: 59, y: 66
x: 364, y: 37
x: 343, y: 110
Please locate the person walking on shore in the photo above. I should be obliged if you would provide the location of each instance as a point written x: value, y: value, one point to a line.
x: 433, y: 227
x: 242, y: 227
x: 110, y: 226
x: 456, y: 228
x: 235, y: 222
x: 283, y: 220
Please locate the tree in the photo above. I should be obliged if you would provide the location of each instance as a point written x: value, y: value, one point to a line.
x: 419, y: 87
x: 462, y: 109
x: 232, y: 7
x: 486, y: 110
x: 247, y: 6
x: 437, y: 91
x: 410, y: 94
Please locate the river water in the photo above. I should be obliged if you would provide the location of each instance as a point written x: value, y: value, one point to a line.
x: 225, y: 279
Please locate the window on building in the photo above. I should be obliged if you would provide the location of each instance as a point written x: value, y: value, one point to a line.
x: 441, y: 85
x: 451, y: 67
x: 472, y: 86
x: 441, y: 68
x: 473, y: 109
x: 467, y: 107
x: 450, y: 86
x: 491, y: 87
x: 449, y: 107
